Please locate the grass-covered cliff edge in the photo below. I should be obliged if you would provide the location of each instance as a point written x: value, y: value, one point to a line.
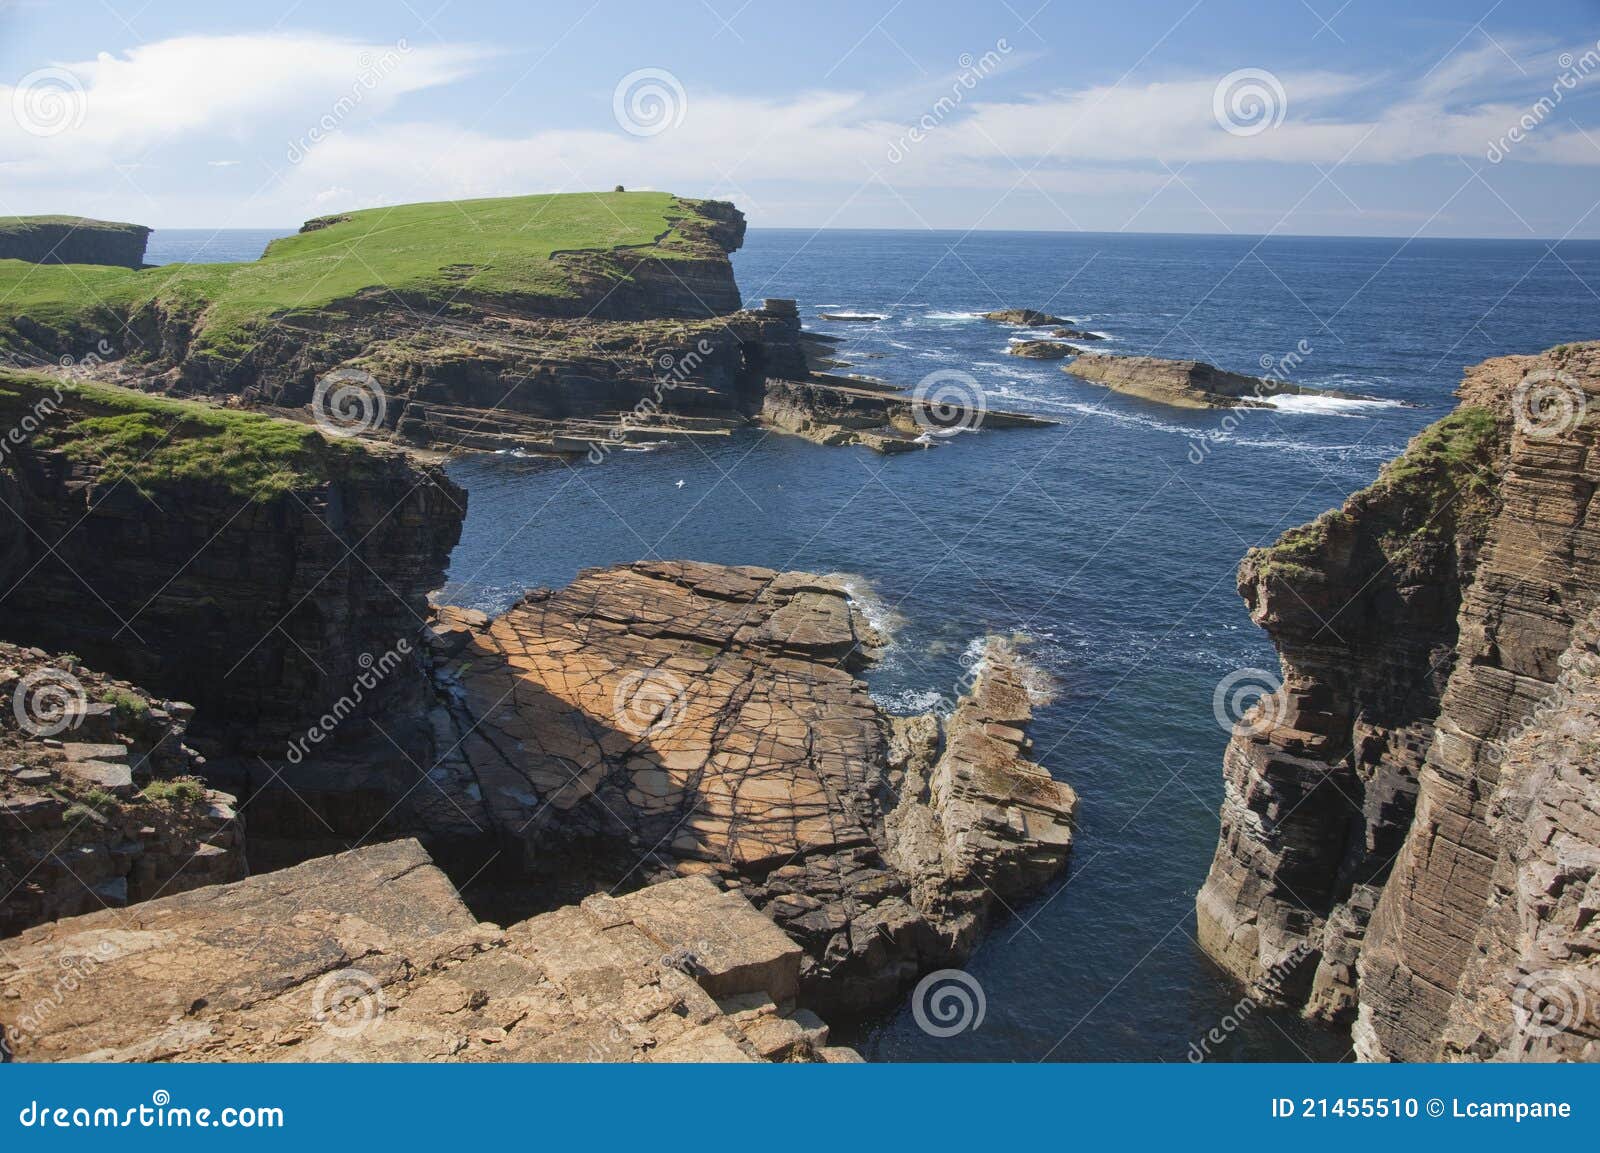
x: 1376, y: 867
x: 427, y: 254
x: 534, y: 322
x: 68, y: 240
x: 237, y: 561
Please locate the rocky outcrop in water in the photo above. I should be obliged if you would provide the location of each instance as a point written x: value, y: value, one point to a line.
x: 72, y: 240
x: 1184, y: 383
x: 1027, y: 317
x: 1041, y: 349
x: 665, y: 719
x: 102, y: 801
x: 884, y: 418
x: 371, y: 956
x: 1408, y: 837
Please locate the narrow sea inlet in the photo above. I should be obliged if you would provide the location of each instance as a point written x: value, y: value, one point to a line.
x: 1111, y: 540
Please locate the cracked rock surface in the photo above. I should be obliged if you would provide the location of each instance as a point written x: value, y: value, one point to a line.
x: 680, y: 719
x: 371, y: 956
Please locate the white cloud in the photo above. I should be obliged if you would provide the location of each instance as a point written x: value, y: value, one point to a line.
x: 191, y: 88
x: 335, y: 104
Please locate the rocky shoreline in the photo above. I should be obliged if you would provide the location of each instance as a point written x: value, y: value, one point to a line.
x: 371, y: 956
x: 683, y: 719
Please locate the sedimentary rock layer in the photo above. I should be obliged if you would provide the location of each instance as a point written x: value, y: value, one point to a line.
x: 640, y: 342
x: 665, y: 719
x: 1363, y: 871
x: 72, y: 240
x: 371, y: 956
x: 840, y: 411
x: 1183, y: 383
x: 100, y: 798
x: 259, y: 582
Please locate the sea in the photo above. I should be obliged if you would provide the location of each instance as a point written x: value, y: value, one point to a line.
x: 1110, y: 540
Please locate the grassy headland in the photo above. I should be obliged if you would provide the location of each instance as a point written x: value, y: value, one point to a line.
x: 476, y: 249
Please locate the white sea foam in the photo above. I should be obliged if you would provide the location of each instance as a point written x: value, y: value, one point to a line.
x: 953, y: 316
x: 847, y: 314
x: 907, y: 702
x: 1329, y: 405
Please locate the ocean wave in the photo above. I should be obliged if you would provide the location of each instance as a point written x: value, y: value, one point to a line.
x: 1357, y: 451
x: 953, y: 316
x: 849, y: 314
x: 1329, y: 405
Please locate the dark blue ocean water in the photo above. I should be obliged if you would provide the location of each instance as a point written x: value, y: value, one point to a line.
x: 1111, y: 539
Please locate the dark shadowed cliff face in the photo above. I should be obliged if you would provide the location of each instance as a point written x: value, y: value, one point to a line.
x: 72, y: 240
x: 245, y: 565
x: 1420, y: 628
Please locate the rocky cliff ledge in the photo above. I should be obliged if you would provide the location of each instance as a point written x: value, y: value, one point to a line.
x: 101, y: 800
x: 371, y: 956
x: 553, y: 324
x: 681, y: 719
x: 1184, y: 383
x: 1408, y: 828
x: 72, y: 240
x: 247, y: 565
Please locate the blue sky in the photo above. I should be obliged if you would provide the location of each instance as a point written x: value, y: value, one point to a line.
x: 1303, y: 116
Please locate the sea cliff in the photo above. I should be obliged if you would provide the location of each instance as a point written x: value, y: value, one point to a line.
x: 1408, y: 837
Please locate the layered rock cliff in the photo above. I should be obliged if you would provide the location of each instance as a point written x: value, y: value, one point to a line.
x: 72, y: 240
x: 559, y: 351
x: 1368, y: 869
x: 249, y: 566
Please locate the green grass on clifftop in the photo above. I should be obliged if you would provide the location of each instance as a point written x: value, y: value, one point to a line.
x: 431, y: 252
x: 1443, y: 484
x: 14, y: 224
x: 156, y: 443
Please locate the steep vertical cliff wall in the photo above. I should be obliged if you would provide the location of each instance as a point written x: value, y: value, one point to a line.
x: 1420, y: 627
x: 72, y: 240
x: 246, y: 565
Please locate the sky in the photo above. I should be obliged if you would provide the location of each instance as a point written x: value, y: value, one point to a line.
x: 1473, y: 118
